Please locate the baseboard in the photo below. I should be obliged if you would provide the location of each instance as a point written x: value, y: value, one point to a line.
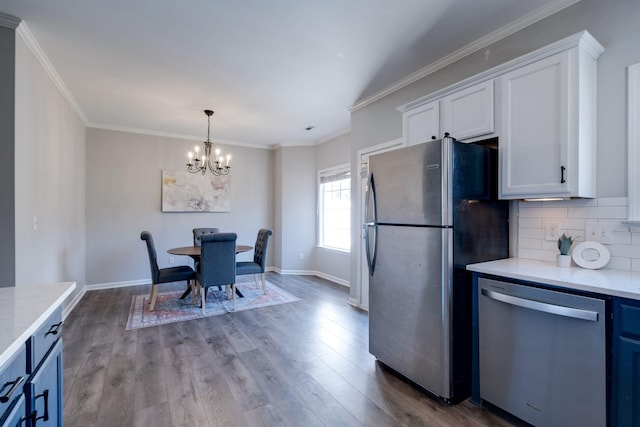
x: 70, y: 305
x: 112, y: 285
x: 325, y: 276
x: 333, y: 279
x: 98, y: 286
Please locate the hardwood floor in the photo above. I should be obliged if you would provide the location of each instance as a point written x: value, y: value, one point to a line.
x: 300, y: 364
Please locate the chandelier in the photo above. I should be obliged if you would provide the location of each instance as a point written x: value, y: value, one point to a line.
x: 218, y: 165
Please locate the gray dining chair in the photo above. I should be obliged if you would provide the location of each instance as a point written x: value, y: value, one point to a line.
x: 197, y: 241
x: 258, y: 265
x: 199, y: 232
x: 217, y: 265
x: 163, y: 275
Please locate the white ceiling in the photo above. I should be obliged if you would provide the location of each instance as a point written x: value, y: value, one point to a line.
x: 268, y: 69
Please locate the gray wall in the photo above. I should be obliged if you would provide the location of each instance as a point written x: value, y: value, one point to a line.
x: 333, y: 263
x: 124, y: 198
x: 612, y: 23
x: 297, y: 198
x: 49, y: 179
x: 7, y: 178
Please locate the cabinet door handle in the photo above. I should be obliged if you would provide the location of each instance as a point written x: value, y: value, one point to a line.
x: 54, y: 329
x: 45, y: 417
x: 562, y: 180
x: 14, y: 385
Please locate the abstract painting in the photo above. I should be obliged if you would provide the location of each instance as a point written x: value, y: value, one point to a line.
x: 186, y: 192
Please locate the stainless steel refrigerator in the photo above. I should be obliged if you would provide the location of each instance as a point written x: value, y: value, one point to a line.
x: 431, y: 209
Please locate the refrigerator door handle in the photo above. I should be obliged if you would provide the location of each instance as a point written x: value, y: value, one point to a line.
x: 370, y: 225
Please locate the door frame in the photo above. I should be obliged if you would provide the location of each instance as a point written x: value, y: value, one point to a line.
x: 361, y: 298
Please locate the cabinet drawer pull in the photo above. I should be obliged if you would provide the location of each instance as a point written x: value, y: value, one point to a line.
x: 14, y: 385
x: 45, y: 417
x: 54, y: 329
x: 562, y: 180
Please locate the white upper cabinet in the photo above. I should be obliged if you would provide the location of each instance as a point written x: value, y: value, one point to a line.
x: 468, y: 113
x: 465, y: 114
x: 421, y: 124
x: 547, y: 125
x: 543, y: 112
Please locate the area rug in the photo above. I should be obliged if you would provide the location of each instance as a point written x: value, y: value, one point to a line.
x: 170, y: 308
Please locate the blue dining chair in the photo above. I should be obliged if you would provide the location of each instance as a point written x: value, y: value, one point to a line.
x: 163, y: 275
x: 199, y: 232
x: 258, y: 265
x: 217, y: 265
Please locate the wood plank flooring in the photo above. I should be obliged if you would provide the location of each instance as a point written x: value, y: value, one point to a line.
x: 300, y: 364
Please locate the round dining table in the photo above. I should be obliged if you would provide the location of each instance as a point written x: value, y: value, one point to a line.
x: 195, y: 252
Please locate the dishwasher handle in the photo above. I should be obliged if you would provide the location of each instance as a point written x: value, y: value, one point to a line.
x: 559, y: 310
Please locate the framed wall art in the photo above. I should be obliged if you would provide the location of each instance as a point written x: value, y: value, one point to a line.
x: 186, y: 192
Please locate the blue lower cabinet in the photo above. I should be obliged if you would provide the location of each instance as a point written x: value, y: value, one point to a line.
x: 15, y: 416
x: 44, y: 391
x: 628, y: 381
x: 625, y: 407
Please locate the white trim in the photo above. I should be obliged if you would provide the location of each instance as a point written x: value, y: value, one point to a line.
x: 325, y: 276
x: 70, y: 305
x: 633, y: 142
x: 583, y: 38
x: 333, y: 279
x: 380, y: 148
x: 26, y: 35
x: 9, y: 21
x: 112, y: 285
x: 481, y: 43
x: 345, y: 167
x: 173, y: 135
x: 354, y: 303
x: 363, y: 155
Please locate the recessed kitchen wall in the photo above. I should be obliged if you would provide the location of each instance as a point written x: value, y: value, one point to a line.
x: 583, y: 220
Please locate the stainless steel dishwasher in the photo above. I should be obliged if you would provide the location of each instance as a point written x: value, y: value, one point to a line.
x: 542, y: 354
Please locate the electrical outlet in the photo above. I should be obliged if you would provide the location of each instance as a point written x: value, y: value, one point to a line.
x: 300, y: 256
x: 602, y: 233
x: 553, y: 231
x: 172, y: 260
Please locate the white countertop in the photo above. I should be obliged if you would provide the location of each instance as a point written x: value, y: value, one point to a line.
x: 23, y: 309
x: 619, y: 283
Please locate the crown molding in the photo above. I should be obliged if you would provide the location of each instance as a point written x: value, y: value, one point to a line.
x: 481, y: 43
x: 172, y: 135
x: 9, y: 21
x: 583, y: 38
x: 26, y: 35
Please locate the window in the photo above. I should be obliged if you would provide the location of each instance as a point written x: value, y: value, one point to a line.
x: 334, y: 208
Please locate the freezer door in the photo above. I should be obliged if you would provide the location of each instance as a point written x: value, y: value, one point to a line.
x: 409, y: 184
x: 409, y: 304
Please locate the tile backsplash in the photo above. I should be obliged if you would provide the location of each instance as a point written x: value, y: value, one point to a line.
x: 583, y: 220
